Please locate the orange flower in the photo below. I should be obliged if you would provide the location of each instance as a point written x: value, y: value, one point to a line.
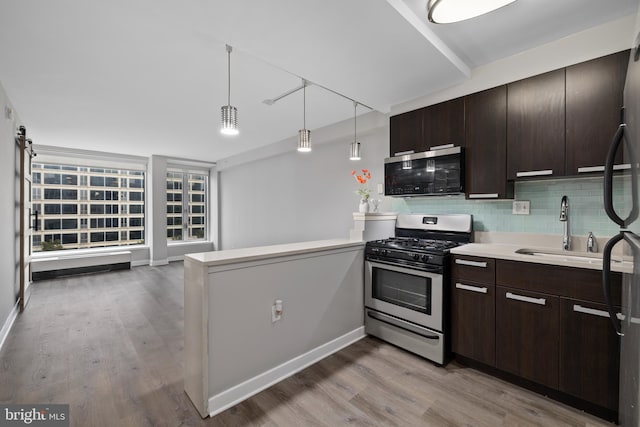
x: 365, y: 171
x: 353, y: 173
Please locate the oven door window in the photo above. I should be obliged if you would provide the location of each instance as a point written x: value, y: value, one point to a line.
x: 405, y: 290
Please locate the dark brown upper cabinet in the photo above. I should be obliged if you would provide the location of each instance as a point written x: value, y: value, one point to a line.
x: 406, y: 132
x: 486, y: 145
x: 428, y: 127
x: 536, y: 126
x: 443, y: 124
x: 594, y: 99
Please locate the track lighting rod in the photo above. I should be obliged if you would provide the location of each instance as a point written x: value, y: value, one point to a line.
x: 287, y: 93
x: 308, y: 83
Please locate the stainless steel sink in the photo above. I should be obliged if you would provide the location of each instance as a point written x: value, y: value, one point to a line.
x: 583, y: 257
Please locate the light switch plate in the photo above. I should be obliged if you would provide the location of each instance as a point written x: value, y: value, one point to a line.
x: 380, y: 189
x: 521, y: 207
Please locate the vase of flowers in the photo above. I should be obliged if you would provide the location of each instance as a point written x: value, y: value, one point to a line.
x: 363, y: 191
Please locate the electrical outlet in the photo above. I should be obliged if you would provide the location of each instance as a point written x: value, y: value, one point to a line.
x: 380, y: 189
x: 520, y: 207
x: 276, y: 311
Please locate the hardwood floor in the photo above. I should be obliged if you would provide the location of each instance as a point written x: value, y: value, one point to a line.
x: 111, y: 344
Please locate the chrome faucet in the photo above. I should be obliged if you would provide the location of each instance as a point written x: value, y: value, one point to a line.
x: 592, y: 244
x: 564, y: 217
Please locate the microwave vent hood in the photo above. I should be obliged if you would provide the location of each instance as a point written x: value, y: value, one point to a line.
x: 429, y: 173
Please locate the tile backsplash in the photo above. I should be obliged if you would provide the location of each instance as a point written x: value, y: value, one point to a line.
x: 586, y: 207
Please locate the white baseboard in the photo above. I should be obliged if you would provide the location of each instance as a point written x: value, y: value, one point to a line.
x: 242, y: 391
x: 156, y: 263
x: 176, y: 258
x: 8, y: 324
x: 139, y: 263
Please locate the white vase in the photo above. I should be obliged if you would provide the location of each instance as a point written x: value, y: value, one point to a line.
x: 364, y: 206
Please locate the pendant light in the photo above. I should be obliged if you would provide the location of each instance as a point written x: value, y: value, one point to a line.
x: 304, y: 134
x: 448, y: 11
x: 354, y: 148
x: 229, y: 112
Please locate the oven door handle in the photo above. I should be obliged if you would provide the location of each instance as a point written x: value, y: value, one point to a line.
x: 410, y: 327
x: 424, y: 271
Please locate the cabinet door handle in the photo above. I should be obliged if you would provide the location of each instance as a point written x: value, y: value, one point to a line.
x: 480, y: 290
x: 441, y: 147
x: 539, y: 301
x: 482, y: 264
x: 483, y: 195
x: 601, y: 168
x: 534, y: 173
x: 601, y: 313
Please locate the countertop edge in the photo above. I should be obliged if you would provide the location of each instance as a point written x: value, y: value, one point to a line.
x: 508, y: 252
x: 234, y: 256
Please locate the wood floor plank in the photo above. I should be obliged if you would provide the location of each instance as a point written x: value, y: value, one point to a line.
x: 111, y: 346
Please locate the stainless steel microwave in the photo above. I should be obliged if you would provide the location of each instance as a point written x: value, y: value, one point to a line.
x: 430, y: 173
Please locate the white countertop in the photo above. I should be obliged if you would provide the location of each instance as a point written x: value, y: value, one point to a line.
x: 508, y: 252
x: 232, y: 256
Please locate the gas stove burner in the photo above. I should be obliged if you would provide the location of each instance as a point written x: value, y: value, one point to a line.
x: 410, y: 243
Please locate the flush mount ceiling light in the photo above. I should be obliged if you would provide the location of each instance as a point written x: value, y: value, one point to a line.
x: 448, y: 11
x: 229, y: 112
x: 304, y: 134
x: 354, y: 147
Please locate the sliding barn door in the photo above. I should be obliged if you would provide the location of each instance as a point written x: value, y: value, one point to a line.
x: 26, y: 153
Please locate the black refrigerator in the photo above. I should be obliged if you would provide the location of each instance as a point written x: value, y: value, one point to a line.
x: 619, y: 192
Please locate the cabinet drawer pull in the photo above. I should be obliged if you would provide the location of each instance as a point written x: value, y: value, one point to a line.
x: 601, y: 313
x: 601, y: 168
x: 539, y: 301
x: 534, y: 173
x: 482, y: 264
x: 480, y: 290
x: 441, y: 147
x: 483, y: 195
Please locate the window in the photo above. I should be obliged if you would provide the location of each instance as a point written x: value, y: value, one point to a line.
x: 70, y: 194
x: 186, y: 205
x: 50, y: 209
x: 69, y: 209
x: 106, y: 198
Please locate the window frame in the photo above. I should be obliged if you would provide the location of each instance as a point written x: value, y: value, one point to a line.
x: 186, y: 204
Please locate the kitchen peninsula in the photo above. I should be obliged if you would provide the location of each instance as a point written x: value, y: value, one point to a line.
x: 255, y: 316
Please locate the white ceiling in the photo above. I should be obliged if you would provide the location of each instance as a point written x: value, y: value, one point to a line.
x: 149, y: 76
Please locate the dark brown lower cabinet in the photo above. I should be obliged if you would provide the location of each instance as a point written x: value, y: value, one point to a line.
x: 474, y: 321
x: 589, y: 353
x: 527, y: 334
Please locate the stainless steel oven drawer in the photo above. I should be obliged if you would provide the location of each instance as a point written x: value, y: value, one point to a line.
x: 416, y: 339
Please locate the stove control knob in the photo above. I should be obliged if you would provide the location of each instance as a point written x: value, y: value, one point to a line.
x: 416, y: 256
x: 425, y: 258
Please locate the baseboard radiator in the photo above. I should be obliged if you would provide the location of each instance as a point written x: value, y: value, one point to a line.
x: 67, y: 265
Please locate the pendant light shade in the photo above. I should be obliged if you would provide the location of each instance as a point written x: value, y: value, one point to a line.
x: 448, y: 11
x: 354, y: 147
x: 229, y: 113
x: 229, y: 120
x: 304, y: 135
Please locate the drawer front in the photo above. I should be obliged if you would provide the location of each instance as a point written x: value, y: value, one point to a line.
x: 570, y: 282
x: 475, y: 269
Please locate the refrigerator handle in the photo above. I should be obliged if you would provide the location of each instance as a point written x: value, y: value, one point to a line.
x: 608, y: 176
x: 606, y: 280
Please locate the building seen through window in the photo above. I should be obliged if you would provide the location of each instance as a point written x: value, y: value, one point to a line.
x: 81, y: 207
x: 186, y: 205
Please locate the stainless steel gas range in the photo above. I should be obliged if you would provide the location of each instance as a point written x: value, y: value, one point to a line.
x: 407, y: 283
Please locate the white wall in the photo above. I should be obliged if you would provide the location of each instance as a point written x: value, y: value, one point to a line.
x: 9, y: 249
x: 292, y: 197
